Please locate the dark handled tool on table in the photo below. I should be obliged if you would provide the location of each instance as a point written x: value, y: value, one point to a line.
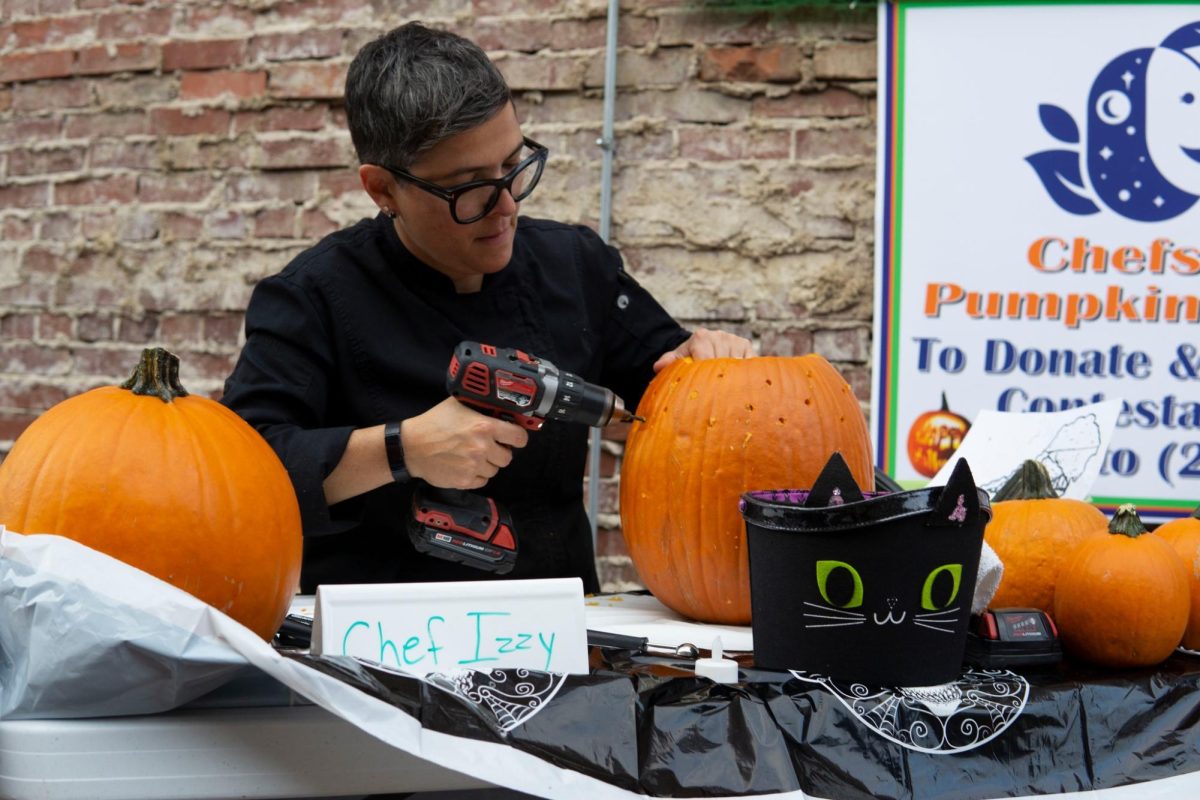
x: 514, y: 386
x: 640, y: 645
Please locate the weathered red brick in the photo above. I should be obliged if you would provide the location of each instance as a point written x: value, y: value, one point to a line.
x: 832, y: 102
x: 207, y: 85
x: 296, y: 45
x: 24, y: 130
x: 62, y: 227
x: 54, y: 327
x: 204, y: 54
x: 181, y: 327
x: 116, y: 124
x: 113, y: 189
x: 221, y: 19
x: 314, y: 224
x: 124, y: 57
x: 189, y: 121
x: 181, y: 225
x: 340, y: 183
x: 307, y: 152
x: 726, y: 144
x: 779, y: 63
x: 6, y: 97
x: 122, y: 154
x: 326, y: 79
x: 281, y: 118
x: 25, y: 358
x: 173, y: 187
x: 110, y: 363
x: 329, y: 12
x: 34, y: 66
x: 46, y: 31
x: 33, y: 396
x: 510, y: 8
x: 16, y: 326
x: 41, y: 161
x: 137, y: 25
x: 223, y: 328
x: 14, y: 423
x: 527, y: 35
x: 856, y: 61
x: 141, y: 329
x: 24, y: 195
x: 788, y: 341
x: 291, y: 186
x: 55, y: 95
x: 94, y: 327
x: 16, y: 229
x: 819, y: 144
x: 228, y: 224
x: 275, y: 223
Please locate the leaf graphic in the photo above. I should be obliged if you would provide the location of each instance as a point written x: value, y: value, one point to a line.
x: 1059, y: 123
x: 1059, y: 171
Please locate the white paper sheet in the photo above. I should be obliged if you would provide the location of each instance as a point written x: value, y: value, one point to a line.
x: 1070, y: 444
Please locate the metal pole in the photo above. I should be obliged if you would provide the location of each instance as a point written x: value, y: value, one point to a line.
x: 607, y: 146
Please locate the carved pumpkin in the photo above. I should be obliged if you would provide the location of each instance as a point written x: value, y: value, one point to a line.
x: 933, y: 438
x: 1184, y: 536
x: 178, y: 486
x: 716, y: 428
x: 1123, y: 600
x: 1035, y: 532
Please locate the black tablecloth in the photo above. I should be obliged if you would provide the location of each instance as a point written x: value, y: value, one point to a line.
x: 649, y: 725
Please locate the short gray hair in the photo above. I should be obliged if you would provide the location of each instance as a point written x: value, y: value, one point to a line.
x: 414, y: 87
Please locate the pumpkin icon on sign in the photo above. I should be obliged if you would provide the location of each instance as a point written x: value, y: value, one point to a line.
x: 933, y: 438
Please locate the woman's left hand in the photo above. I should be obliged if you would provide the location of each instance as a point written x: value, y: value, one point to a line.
x: 705, y: 343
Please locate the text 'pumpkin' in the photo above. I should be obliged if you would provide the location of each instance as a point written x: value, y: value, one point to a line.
x: 716, y: 428
x: 176, y: 485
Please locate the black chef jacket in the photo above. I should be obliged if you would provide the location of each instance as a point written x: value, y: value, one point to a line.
x: 356, y: 331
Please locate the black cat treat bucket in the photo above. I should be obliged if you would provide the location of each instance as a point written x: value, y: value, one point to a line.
x: 874, y: 588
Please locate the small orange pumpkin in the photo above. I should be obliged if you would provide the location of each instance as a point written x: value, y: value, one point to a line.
x: 176, y: 485
x: 716, y: 428
x: 1184, y: 536
x: 933, y: 438
x: 1123, y: 600
x: 1035, y: 532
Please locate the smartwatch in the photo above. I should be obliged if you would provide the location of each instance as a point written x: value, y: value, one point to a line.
x: 395, y: 452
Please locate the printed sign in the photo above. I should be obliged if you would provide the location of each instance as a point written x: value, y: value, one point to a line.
x: 446, y: 627
x: 1038, y: 233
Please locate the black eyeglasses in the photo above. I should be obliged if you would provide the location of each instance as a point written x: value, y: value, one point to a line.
x: 474, y: 200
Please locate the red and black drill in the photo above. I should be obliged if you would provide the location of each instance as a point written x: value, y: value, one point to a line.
x: 514, y: 386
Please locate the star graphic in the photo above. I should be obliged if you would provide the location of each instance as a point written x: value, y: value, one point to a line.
x: 1127, y: 77
x: 1106, y: 153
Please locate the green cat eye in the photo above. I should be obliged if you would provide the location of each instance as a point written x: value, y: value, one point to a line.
x: 827, y: 568
x: 955, y: 573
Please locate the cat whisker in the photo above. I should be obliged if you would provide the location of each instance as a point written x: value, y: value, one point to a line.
x: 834, y: 624
x: 932, y: 627
x: 839, y: 611
x: 949, y: 612
x: 809, y: 614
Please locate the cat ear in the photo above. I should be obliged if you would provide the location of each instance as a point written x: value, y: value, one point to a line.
x: 834, y: 486
x: 959, y: 501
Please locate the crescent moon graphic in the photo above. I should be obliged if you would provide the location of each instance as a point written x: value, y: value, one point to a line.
x: 1113, y: 107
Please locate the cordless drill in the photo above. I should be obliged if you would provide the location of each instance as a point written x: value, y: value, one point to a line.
x: 514, y: 386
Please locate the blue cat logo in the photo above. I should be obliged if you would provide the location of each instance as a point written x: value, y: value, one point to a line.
x: 1143, y: 135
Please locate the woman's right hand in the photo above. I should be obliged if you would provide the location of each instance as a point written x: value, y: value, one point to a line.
x: 456, y: 447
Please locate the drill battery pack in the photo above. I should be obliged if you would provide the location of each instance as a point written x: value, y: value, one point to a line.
x: 462, y: 526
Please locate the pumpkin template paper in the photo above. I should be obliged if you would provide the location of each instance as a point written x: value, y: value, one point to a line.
x: 716, y: 428
x: 176, y: 485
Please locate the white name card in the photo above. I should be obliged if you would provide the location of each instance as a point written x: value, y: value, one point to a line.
x: 441, y: 627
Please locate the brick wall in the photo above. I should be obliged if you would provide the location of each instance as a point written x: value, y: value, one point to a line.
x: 157, y: 158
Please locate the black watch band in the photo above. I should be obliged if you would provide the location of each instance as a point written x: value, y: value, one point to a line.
x: 395, y: 452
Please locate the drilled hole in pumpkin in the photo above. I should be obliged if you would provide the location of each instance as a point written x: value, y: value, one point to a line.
x: 749, y: 406
x: 720, y: 374
x: 769, y: 382
x: 782, y: 421
x: 808, y: 401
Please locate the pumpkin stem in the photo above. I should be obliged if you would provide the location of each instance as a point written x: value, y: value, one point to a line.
x: 945, y: 404
x: 1127, y: 522
x: 1030, y: 482
x: 157, y: 373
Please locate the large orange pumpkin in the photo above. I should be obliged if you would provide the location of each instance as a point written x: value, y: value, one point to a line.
x: 1184, y: 536
x: 716, y: 428
x: 1035, y: 532
x: 1123, y: 600
x: 176, y: 485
